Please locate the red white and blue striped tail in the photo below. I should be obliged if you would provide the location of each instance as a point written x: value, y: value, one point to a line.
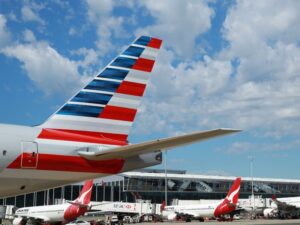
x: 104, y: 110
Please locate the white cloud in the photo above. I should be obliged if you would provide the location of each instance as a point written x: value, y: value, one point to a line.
x: 178, y: 22
x: 254, y: 148
x: 260, y: 94
x: 50, y: 71
x: 29, y: 36
x: 28, y: 14
x: 263, y: 38
x: 107, y: 25
x: 4, y: 33
x: 260, y: 35
x: 72, y: 31
x: 184, y: 89
x: 13, y: 17
x: 90, y: 58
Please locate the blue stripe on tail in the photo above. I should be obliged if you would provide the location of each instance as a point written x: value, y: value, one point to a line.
x: 103, y: 85
x: 80, y: 110
x: 90, y: 97
x: 112, y: 73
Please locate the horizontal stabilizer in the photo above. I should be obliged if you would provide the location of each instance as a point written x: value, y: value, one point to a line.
x: 78, y: 204
x: 94, y: 153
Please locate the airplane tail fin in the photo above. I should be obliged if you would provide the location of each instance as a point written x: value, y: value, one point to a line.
x: 230, y: 201
x: 84, y: 197
x: 81, y: 204
x: 163, y: 206
x: 234, y: 192
x: 103, y: 111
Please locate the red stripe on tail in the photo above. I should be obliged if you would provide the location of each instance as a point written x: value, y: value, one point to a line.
x: 83, y: 136
x: 155, y: 43
x: 143, y: 64
x: 131, y: 88
x: 118, y: 113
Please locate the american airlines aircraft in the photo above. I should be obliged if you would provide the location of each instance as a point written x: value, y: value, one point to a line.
x: 88, y: 136
x: 199, y: 211
x: 56, y: 213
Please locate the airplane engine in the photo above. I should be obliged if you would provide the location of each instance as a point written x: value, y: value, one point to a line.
x: 172, y: 216
x: 269, y: 212
x: 18, y: 221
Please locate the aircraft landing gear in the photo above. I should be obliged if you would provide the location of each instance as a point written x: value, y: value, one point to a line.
x: 201, y: 219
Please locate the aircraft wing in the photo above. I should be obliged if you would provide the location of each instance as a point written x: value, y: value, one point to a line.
x: 38, y: 219
x: 43, y: 218
x: 93, y: 153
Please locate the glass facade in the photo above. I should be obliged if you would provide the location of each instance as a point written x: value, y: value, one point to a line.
x: 148, y: 186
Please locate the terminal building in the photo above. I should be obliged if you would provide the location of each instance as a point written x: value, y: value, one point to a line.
x: 151, y: 184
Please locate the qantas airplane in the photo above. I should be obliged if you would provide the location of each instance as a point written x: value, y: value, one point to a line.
x: 56, y: 213
x: 199, y: 211
x: 283, y: 207
x: 87, y: 137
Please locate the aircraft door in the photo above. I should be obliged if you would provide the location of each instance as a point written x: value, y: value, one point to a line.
x: 29, y: 159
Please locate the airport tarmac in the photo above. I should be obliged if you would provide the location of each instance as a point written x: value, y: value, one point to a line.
x: 236, y: 222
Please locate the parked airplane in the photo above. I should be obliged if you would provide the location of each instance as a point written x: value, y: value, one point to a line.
x: 283, y: 207
x: 199, y: 211
x: 56, y: 213
x: 87, y: 137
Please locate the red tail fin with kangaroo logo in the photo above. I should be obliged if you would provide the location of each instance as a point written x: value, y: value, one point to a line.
x: 84, y: 197
x: 163, y: 206
x: 81, y: 204
x: 234, y: 192
x: 229, y: 203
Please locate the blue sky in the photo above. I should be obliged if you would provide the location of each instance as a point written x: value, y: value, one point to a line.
x: 223, y: 64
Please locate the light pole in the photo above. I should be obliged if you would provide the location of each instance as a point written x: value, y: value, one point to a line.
x: 96, y: 192
x: 166, y: 180
x: 251, y: 158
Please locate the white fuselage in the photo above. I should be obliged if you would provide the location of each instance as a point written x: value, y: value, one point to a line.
x: 195, y: 210
x: 294, y: 201
x: 51, y: 213
x: 51, y: 163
